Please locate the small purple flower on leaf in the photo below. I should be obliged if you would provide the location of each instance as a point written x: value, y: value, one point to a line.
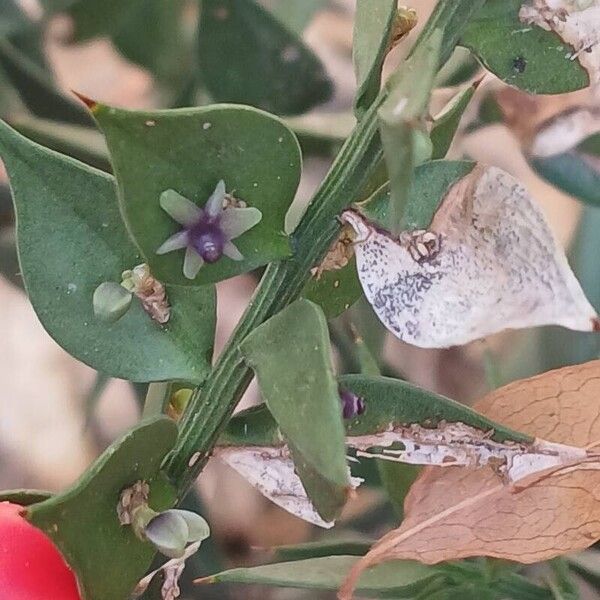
x: 352, y: 405
x: 207, y: 232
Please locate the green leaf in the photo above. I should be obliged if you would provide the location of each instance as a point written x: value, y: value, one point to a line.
x: 295, y: 16
x: 37, y: 90
x: 574, y: 172
x: 587, y: 565
x: 396, y: 479
x: 92, y: 18
x: 394, y: 402
x: 83, y: 143
x: 431, y: 182
x: 335, y: 546
x: 563, y: 586
x: 24, y: 497
x: 71, y: 239
x: 107, y: 557
x: 522, y: 55
x: 400, y: 115
x: 190, y: 150
x: 445, y: 123
x: 247, y: 56
x: 373, y: 25
x: 301, y: 393
x: 334, y: 291
x: 152, y: 35
x: 402, y: 578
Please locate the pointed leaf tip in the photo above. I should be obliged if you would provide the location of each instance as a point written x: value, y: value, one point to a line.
x: 91, y: 104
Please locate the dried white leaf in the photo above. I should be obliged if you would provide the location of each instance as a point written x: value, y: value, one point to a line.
x: 271, y: 471
x: 565, y: 131
x: 457, y: 444
x: 577, y: 22
x: 488, y: 262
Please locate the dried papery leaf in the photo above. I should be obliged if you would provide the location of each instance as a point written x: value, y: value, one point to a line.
x: 340, y: 253
x: 456, y: 513
x: 457, y: 444
x: 577, y: 22
x: 149, y: 291
x: 271, y: 471
x: 488, y: 262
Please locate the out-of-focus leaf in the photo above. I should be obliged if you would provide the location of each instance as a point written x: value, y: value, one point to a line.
x: 563, y: 586
x: 83, y: 143
x: 574, y: 172
x: 321, y: 133
x: 265, y: 64
x: 459, y: 68
x: 398, y: 579
x: 109, y: 568
x: 152, y: 35
x: 587, y: 565
x: 190, y: 150
x: 400, y: 115
x: 303, y: 390
x: 24, y: 497
x: 373, y: 25
x: 396, y: 479
x: 445, y: 123
x: 71, y: 238
x: 520, y: 54
x: 36, y: 89
x: 92, y: 18
x: 295, y: 16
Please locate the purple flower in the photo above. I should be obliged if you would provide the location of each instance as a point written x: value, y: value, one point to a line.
x: 352, y: 405
x: 207, y: 232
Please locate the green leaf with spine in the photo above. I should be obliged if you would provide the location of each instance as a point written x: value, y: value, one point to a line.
x: 395, y: 579
x: 522, y: 55
x: 247, y: 56
x: 373, y: 25
x: 301, y: 393
x: 70, y: 239
x: 401, y: 127
x: 190, y: 150
x: 82, y: 521
x: 431, y: 182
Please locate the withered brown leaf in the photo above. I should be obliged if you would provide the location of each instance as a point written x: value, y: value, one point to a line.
x: 458, y: 512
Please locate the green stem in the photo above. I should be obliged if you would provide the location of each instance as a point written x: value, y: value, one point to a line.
x: 211, y: 406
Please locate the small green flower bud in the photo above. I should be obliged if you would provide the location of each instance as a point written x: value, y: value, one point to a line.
x: 111, y: 301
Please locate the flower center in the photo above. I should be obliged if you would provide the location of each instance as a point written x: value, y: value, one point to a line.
x: 208, y: 240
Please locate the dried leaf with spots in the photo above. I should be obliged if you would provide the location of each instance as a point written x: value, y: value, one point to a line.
x: 456, y: 512
x: 576, y: 22
x: 488, y: 262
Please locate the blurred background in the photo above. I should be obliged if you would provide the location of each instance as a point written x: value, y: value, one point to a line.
x: 56, y: 414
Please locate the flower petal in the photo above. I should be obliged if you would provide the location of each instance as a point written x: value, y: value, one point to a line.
x: 178, y: 207
x: 191, y: 263
x: 175, y: 242
x: 236, y: 221
x: 230, y: 250
x: 214, y: 205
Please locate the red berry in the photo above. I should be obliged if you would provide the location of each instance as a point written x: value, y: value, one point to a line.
x: 31, y: 566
